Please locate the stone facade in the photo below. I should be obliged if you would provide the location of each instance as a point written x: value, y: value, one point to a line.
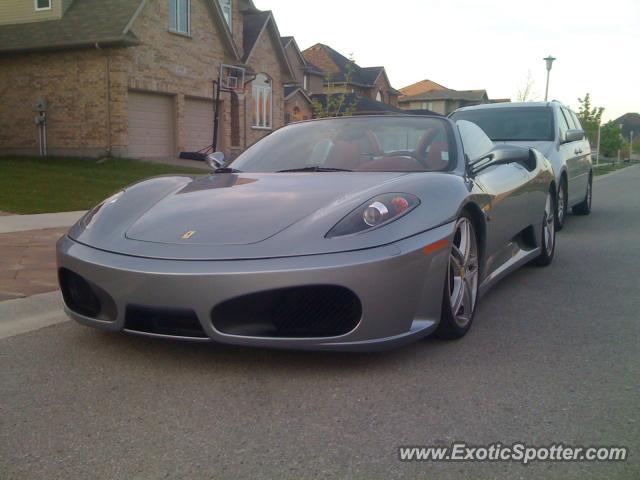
x: 74, y: 83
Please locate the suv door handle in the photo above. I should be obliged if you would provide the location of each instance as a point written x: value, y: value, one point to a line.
x: 577, y: 151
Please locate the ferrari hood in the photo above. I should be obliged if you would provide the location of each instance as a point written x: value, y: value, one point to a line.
x: 263, y: 215
x: 242, y: 209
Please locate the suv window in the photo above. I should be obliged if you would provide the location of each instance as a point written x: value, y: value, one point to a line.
x: 569, y: 119
x: 512, y: 123
x: 576, y: 120
x: 563, y: 125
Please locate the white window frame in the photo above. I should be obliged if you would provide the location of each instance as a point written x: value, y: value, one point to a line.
x: 40, y: 9
x: 222, y: 7
x: 177, y: 30
x: 260, y: 94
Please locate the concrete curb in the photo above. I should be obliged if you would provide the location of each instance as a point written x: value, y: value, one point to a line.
x: 24, y: 315
x: 20, y: 223
x: 626, y: 169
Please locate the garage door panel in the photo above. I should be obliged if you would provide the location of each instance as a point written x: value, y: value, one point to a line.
x: 198, y: 124
x: 151, y: 129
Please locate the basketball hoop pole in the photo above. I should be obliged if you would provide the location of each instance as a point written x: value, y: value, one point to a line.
x: 216, y: 113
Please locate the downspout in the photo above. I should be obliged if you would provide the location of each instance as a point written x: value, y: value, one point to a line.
x: 108, y: 97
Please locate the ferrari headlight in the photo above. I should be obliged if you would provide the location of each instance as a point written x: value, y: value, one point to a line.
x: 378, y: 211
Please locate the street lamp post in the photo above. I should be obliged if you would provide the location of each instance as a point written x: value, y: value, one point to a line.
x: 549, y: 61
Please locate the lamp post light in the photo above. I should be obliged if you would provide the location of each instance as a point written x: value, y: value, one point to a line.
x: 549, y: 61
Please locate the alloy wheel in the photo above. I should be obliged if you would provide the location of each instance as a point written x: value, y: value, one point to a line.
x: 561, y: 205
x: 549, y: 227
x: 463, y: 272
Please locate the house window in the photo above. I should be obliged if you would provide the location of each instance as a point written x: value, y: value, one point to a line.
x: 305, y: 82
x: 43, y: 4
x: 180, y: 16
x: 262, y: 98
x: 225, y: 6
x: 379, y: 96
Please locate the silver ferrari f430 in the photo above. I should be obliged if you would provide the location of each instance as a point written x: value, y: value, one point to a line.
x: 352, y: 233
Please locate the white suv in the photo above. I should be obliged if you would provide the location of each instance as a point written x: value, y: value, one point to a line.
x: 550, y: 128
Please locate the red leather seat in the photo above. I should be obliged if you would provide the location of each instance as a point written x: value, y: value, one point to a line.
x: 435, y: 160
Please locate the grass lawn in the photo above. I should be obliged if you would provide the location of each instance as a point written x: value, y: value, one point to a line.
x: 57, y: 184
x: 612, y: 167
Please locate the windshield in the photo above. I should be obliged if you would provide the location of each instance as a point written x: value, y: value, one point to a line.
x: 374, y: 144
x: 512, y: 123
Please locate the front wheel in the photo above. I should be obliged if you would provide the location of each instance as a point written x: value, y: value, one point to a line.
x: 461, y: 282
x: 548, y: 242
x: 584, y: 207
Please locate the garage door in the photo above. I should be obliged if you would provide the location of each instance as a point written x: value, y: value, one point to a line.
x: 150, y: 125
x: 198, y: 124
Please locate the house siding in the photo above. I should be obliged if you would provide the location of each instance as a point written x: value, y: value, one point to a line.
x: 24, y: 11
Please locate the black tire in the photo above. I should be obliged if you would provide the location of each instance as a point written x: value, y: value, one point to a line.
x: 449, y: 326
x: 561, y: 202
x: 547, y: 251
x: 584, y: 207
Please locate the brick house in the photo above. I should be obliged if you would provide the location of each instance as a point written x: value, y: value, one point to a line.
x: 427, y: 95
x: 368, y: 82
x: 135, y: 77
x: 307, y: 80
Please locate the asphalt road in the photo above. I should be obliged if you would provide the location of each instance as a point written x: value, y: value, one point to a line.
x: 553, y: 357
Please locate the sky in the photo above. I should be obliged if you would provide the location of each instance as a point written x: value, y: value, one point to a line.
x: 489, y: 44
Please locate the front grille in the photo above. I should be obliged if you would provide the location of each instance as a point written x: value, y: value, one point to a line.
x: 307, y: 311
x: 84, y: 297
x: 174, y: 322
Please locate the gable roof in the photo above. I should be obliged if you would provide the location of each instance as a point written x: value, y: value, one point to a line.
x: 309, y: 67
x: 254, y: 24
x: 291, y: 90
x: 422, y: 86
x: 85, y: 23
x: 448, y: 94
x: 360, y: 76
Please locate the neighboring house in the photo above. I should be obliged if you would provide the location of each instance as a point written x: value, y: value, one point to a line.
x: 367, y: 82
x: 429, y: 95
x: 630, y: 123
x: 422, y: 86
x: 307, y: 80
x: 135, y: 77
x: 362, y: 105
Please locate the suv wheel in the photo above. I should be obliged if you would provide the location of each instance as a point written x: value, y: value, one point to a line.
x: 561, y: 202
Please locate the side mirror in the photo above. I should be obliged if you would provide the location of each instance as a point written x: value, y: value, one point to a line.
x: 573, y: 136
x: 215, y: 160
x: 502, y: 155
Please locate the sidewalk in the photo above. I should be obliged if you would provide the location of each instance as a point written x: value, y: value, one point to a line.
x: 19, y: 223
x: 27, y: 252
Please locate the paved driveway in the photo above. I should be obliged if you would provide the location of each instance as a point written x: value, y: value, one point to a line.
x: 553, y: 357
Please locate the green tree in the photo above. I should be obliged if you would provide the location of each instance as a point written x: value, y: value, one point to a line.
x: 337, y: 104
x: 610, y: 139
x: 590, y: 117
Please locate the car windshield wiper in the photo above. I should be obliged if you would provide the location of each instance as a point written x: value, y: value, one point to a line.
x: 226, y: 170
x: 315, y: 168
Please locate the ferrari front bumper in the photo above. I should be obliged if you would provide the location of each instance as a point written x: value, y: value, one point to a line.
x: 399, y: 287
